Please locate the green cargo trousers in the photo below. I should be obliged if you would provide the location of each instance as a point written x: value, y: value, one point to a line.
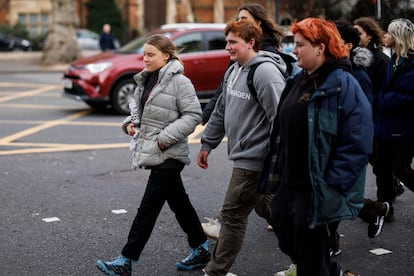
x: 241, y: 198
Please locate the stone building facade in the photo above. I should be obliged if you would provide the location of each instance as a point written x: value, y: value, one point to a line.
x: 140, y: 15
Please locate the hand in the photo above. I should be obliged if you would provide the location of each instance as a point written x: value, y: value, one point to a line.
x: 161, y: 145
x: 202, y: 159
x: 130, y: 129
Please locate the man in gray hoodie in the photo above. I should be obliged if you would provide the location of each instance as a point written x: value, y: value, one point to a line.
x: 246, y: 118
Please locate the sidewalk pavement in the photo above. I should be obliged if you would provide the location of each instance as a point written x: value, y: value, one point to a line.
x: 30, y: 62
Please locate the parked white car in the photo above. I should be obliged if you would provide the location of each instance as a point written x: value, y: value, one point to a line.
x: 87, y: 39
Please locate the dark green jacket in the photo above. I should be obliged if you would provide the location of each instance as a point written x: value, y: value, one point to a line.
x: 340, y: 141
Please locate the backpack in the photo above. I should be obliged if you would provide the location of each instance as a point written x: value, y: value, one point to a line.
x: 292, y: 70
x: 263, y: 187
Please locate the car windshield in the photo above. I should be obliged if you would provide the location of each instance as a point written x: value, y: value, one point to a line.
x: 136, y: 45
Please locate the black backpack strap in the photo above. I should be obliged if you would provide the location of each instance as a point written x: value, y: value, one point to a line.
x: 250, y: 76
x: 289, y: 61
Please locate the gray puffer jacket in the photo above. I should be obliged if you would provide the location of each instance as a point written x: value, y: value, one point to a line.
x: 170, y: 114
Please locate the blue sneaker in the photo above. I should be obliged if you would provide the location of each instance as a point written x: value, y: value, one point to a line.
x: 198, y: 258
x: 120, y: 266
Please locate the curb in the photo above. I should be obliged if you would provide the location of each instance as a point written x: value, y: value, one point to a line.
x: 34, y: 55
x: 17, y: 56
x: 30, y: 62
x: 29, y: 66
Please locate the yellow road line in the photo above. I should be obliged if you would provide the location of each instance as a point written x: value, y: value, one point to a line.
x: 5, y: 93
x: 36, y: 106
x: 33, y: 92
x: 77, y: 123
x: 57, y: 147
x: 54, y: 145
x: 46, y: 125
x: 50, y: 94
x: 31, y: 148
x: 47, y: 148
x: 194, y: 138
x: 19, y: 84
x: 66, y: 147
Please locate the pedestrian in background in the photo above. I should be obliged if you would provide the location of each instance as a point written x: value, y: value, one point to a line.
x: 326, y: 131
x: 168, y: 111
x: 394, y: 132
x: 396, y: 101
x: 246, y: 119
x: 372, y: 38
x: 106, y: 39
x: 360, y: 58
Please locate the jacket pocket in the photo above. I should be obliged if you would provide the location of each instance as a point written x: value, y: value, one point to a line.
x: 151, y: 154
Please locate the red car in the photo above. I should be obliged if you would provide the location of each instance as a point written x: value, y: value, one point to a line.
x: 105, y: 80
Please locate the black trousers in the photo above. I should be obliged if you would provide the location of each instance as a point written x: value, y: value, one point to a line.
x: 392, y: 158
x: 307, y: 248
x: 164, y: 184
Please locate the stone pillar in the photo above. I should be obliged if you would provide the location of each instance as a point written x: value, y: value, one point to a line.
x: 181, y: 12
x: 141, y: 17
x: 218, y: 11
x: 61, y: 45
x: 171, y: 11
x: 189, y: 10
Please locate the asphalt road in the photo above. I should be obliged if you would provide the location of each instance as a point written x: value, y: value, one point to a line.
x: 65, y: 169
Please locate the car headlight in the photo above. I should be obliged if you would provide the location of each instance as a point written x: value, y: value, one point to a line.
x: 98, y: 67
x: 25, y: 42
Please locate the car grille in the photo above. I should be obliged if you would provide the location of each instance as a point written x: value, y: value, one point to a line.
x: 76, y: 90
x: 71, y: 77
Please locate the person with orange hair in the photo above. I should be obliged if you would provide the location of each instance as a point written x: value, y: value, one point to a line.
x: 325, y: 133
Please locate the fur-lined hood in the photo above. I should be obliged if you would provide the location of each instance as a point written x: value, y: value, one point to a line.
x: 362, y: 57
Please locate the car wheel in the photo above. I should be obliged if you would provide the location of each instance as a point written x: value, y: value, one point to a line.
x: 123, y: 91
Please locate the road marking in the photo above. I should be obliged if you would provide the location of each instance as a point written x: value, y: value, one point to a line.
x: 194, y: 138
x: 33, y: 92
x: 46, y: 125
x: 51, y: 147
x: 11, y: 140
x: 37, y: 106
x: 64, y: 147
x: 19, y: 84
x: 52, y: 219
x: 119, y: 211
x: 57, y: 147
x: 69, y: 123
x: 30, y: 148
x: 380, y: 251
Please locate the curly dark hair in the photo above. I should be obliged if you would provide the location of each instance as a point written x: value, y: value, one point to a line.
x: 372, y: 28
x: 347, y: 31
x: 271, y: 32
